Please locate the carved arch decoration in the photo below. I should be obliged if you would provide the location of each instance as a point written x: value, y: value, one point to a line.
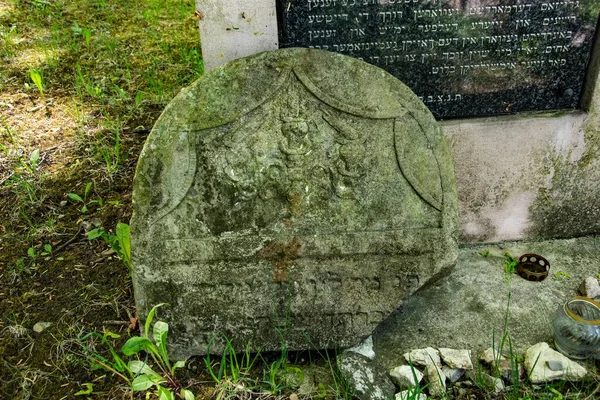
x: 176, y: 148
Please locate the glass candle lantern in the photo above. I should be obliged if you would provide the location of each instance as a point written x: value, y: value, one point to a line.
x: 576, y: 328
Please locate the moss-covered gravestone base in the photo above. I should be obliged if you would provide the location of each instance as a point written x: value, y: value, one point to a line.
x: 295, y: 196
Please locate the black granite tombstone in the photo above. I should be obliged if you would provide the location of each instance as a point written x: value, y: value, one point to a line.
x: 463, y: 58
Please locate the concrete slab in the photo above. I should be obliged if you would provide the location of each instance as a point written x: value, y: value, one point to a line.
x: 466, y: 308
x: 235, y: 29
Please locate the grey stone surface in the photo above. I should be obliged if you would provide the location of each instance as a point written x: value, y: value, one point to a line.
x: 436, y: 379
x: 527, y: 177
x: 453, y: 374
x: 423, y: 357
x: 365, y: 348
x: 555, y: 365
x: 590, y: 287
x: 467, y: 308
x: 406, y: 376
x: 293, y: 196
x: 456, y: 358
x: 541, y: 363
x: 367, y: 379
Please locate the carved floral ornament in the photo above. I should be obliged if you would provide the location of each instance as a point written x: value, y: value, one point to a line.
x: 283, y: 172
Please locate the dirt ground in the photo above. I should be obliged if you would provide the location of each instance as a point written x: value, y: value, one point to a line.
x: 81, y: 84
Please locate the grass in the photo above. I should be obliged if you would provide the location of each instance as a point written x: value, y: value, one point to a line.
x: 81, y: 84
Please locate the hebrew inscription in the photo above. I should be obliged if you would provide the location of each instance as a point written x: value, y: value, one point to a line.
x: 462, y: 58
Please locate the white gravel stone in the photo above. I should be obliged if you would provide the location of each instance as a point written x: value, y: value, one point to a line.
x: 41, y: 326
x: 408, y: 395
x: 365, y: 348
x: 404, y: 376
x: 492, y: 383
x: 453, y: 374
x: 436, y: 379
x: 424, y: 357
x: 590, y: 287
x: 456, y: 358
x: 489, y: 356
x: 539, y: 358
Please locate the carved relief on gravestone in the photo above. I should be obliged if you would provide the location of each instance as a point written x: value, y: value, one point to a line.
x: 294, y: 196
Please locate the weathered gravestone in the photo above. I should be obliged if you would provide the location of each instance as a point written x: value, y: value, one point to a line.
x: 462, y: 58
x: 295, y: 195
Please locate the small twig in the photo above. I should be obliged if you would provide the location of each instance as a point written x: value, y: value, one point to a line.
x: 113, y: 322
x: 68, y: 242
x: 7, y: 178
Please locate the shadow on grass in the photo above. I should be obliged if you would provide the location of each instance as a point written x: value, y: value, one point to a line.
x: 107, y: 70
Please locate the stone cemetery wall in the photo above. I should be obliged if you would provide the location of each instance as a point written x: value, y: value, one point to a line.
x: 278, y: 199
x: 236, y: 29
x: 530, y: 175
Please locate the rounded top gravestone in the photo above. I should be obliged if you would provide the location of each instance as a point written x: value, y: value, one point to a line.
x: 294, y: 196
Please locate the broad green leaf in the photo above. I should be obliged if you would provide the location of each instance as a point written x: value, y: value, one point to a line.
x: 36, y: 78
x: 178, y: 364
x: 48, y: 248
x: 150, y: 318
x: 159, y: 332
x: 84, y: 209
x: 31, y: 252
x: 34, y: 158
x: 95, y: 233
x: 187, y: 394
x: 75, y: 197
x: 89, y: 390
x: 123, y: 238
x: 136, y: 344
x: 141, y: 368
x: 87, y: 189
x: 143, y: 382
x: 164, y: 393
x: 76, y: 28
x: 139, y: 97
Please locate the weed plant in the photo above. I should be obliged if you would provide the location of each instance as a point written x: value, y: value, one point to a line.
x: 138, y: 373
x: 80, y: 83
x: 84, y: 200
x: 120, y: 242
